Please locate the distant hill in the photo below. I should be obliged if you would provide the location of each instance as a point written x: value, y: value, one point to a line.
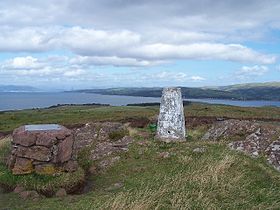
x: 248, y: 86
x: 17, y: 88
x: 255, y: 91
x: 251, y: 91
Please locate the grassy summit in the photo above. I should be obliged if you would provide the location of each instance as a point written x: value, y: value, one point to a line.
x: 76, y: 115
x: 216, y: 178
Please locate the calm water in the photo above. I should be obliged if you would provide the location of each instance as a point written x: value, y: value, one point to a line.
x: 13, y: 101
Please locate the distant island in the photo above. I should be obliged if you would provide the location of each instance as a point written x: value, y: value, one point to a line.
x: 249, y: 91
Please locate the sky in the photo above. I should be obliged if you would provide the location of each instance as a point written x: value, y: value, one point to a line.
x: 70, y: 44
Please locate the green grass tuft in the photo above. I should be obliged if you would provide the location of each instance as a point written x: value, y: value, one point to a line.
x: 118, y: 134
x: 44, y: 184
x: 5, y: 150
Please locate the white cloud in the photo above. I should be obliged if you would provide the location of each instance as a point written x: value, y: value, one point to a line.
x: 128, y: 33
x: 206, y: 15
x: 201, y: 51
x: 74, y: 73
x: 27, y: 39
x: 112, y: 60
x: 123, y: 48
x: 33, y: 63
x: 251, y: 71
x: 172, y: 77
x: 56, y: 66
x: 27, y: 62
x: 84, y: 40
x: 197, y: 78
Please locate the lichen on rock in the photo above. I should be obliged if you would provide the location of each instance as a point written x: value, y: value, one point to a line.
x: 251, y: 137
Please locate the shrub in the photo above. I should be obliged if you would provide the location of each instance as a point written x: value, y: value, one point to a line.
x: 83, y: 158
x: 153, y: 127
x: 118, y: 134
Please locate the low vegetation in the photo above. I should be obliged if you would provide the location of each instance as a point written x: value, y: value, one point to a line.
x: 5, y: 149
x: 118, y: 134
x: 187, y: 178
x: 71, y: 116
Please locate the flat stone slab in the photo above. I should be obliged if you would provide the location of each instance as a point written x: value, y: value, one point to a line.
x: 41, y: 134
x: 42, y: 127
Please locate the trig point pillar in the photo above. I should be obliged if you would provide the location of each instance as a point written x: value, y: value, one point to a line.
x: 171, y: 121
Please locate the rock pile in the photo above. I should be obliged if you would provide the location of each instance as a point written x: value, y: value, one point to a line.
x: 253, y: 138
x: 104, y: 140
x: 43, y: 149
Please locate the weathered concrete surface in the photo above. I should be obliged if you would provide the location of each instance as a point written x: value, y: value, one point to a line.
x: 171, y: 120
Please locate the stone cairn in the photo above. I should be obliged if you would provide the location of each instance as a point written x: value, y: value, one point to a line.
x: 43, y: 149
x: 171, y: 121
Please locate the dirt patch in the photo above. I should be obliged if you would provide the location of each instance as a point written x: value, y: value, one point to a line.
x: 4, y: 134
x: 137, y: 122
x: 193, y: 122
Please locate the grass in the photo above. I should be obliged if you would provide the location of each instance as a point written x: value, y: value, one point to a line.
x: 118, y: 134
x: 5, y: 149
x: 216, y: 179
x: 46, y: 185
x: 70, y: 115
x: 73, y: 115
x: 204, y: 110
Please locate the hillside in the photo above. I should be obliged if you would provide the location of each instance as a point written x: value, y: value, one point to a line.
x: 148, y: 174
x: 253, y: 91
x: 248, y: 85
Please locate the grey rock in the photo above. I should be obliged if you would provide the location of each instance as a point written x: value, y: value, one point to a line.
x: 71, y: 166
x: 104, y: 164
x: 199, y: 150
x: 115, y: 186
x: 93, y: 133
x: 229, y: 128
x: 65, y: 150
x: 22, y: 166
x: 164, y: 155
x: 32, y: 195
x: 34, y: 152
x: 61, y: 193
x: 273, y: 154
x: 19, y: 189
x: 255, y: 139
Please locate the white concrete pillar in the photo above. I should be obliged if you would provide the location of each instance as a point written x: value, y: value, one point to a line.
x: 171, y: 120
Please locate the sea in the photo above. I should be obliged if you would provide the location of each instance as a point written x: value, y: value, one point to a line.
x: 29, y: 100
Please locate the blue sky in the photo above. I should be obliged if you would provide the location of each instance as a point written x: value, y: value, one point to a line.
x: 71, y: 44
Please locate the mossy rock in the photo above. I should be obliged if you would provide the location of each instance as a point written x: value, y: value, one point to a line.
x: 47, y: 169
